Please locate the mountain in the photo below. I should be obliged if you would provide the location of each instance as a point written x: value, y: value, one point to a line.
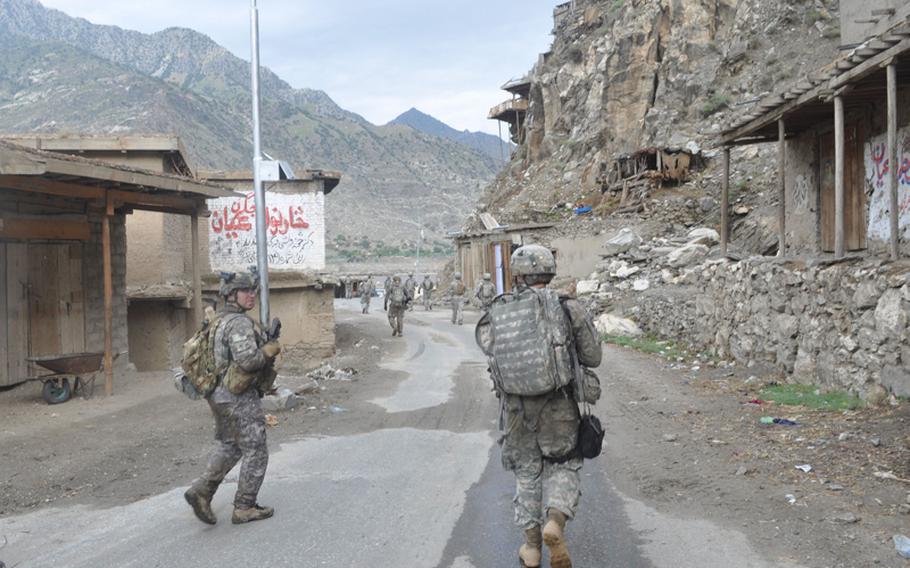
x: 486, y: 143
x: 61, y: 74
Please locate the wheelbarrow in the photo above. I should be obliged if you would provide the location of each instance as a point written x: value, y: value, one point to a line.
x: 81, y: 367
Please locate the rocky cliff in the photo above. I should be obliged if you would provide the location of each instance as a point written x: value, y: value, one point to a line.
x: 623, y: 75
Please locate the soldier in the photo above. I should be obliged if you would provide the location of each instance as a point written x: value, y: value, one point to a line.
x: 247, y: 361
x: 348, y: 288
x: 426, y: 288
x: 366, y: 293
x: 411, y: 286
x: 485, y: 292
x: 541, y: 425
x: 456, y: 291
x: 386, y: 285
x: 398, y: 299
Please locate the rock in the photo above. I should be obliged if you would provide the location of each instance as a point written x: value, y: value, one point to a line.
x: 897, y: 380
x: 866, y: 295
x: 310, y: 386
x: 670, y: 437
x: 284, y: 399
x: 890, y: 318
x: 707, y: 204
x: 641, y: 285
x: 741, y: 210
x: 903, y: 509
x: 703, y: 236
x: 687, y: 255
x: 845, y: 518
x: 622, y: 242
x: 609, y: 324
x: 743, y: 470
x: 626, y: 271
x: 585, y: 287
x: 875, y: 395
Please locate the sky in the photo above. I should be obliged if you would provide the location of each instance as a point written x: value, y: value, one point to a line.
x: 377, y: 58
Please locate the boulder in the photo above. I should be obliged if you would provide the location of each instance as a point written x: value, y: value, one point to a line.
x: 284, y: 399
x: 626, y: 271
x: 687, y: 255
x: 641, y: 284
x: 624, y: 240
x: 609, y: 324
x: 585, y: 287
x: 890, y: 318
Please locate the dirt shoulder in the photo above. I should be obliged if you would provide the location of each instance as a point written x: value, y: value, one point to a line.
x: 690, y: 444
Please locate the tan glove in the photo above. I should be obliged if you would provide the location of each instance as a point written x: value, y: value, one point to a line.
x: 271, y: 349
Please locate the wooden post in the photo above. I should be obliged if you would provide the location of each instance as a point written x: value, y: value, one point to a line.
x: 108, y: 298
x: 197, y: 276
x: 893, y: 156
x: 839, y: 248
x: 725, y: 204
x: 782, y: 184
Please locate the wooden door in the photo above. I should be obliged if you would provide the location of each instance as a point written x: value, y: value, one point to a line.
x: 15, y: 313
x: 854, y: 189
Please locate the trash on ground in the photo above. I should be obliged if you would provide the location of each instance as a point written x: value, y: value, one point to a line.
x: 283, y: 399
x: 889, y: 475
x: 336, y: 409
x: 791, y: 498
x: 805, y: 468
x: 778, y: 421
x: 271, y: 420
x: 902, y: 545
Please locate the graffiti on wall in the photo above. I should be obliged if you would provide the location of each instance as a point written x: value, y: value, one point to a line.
x: 294, y: 229
x: 878, y: 183
x: 801, y: 193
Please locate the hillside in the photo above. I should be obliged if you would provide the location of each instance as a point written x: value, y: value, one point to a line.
x: 628, y: 75
x: 62, y: 74
x: 486, y: 143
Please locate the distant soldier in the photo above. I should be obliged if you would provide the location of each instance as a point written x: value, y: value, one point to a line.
x: 386, y: 285
x: 366, y: 293
x: 411, y: 286
x: 426, y: 288
x: 540, y: 346
x: 456, y: 291
x: 398, y: 300
x: 348, y: 288
x: 245, y: 360
x: 485, y: 292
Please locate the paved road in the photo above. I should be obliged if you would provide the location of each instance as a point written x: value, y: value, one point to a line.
x: 410, y: 479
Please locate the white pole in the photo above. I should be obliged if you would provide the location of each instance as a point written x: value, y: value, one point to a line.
x: 262, y: 252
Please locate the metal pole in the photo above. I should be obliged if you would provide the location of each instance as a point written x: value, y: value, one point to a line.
x: 262, y: 251
x: 893, y: 160
x: 419, y: 241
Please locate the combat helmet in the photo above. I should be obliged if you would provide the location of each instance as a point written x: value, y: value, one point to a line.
x: 233, y: 281
x: 533, y: 260
x: 457, y: 276
x: 487, y: 276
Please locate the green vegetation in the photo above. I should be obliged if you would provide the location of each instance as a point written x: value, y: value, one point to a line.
x: 364, y: 248
x: 810, y: 397
x: 715, y: 103
x: 648, y: 344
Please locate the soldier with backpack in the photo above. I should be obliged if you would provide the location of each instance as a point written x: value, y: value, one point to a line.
x: 411, y: 286
x: 426, y: 288
x: 539, y: 346
x: 398, y: 298
x: 456, y: 292
x: 485, y: 292
x: 238, y: 368
x: 367, y: 287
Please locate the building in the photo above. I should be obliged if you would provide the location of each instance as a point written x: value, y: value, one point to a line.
x: 63, y: 249
x: 301, y: 292
x: 514, y: 111
x: 841, y: 132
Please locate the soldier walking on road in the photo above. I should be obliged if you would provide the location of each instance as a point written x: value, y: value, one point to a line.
x: 540, y: 346
x: 411, y: 286
x: 366, y: 293
x: 386, y: 286
x: 245, y: 361
x: 398, y: 300
x: 426, y: 288
x: 456, y: 291
x: 348, y: 285
x: 485, y: 292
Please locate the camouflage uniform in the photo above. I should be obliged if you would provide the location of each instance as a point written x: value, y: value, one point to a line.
x: 456, y: 291
x: 542, y: 427
x: 485, y: 293
x: 411, y: 286
x: 426, y: 287
x: 348, y: 285
x: 397, y: 309
x: 386, y: 286
x: 239, y: 420
x: 366, y: 294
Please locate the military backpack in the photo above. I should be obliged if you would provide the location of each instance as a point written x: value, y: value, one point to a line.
x: 199, y: 357
x: 528, y: 343
x: 397, y: 296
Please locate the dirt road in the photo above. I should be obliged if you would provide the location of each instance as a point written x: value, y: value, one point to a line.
x: 399, y: 467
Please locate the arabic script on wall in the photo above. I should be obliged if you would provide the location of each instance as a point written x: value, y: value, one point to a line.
x: 878, y: 182
x: 294, y: 227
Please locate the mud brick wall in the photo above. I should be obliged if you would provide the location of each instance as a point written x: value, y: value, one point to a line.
x: 842, y: 326
x: 94, y: 286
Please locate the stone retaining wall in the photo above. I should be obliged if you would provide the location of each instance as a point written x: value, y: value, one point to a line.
x: 837, y: 325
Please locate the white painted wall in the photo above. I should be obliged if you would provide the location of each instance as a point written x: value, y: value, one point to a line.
x: 878, y: 181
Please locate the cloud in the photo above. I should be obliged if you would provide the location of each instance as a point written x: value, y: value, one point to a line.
x: 377, y: 59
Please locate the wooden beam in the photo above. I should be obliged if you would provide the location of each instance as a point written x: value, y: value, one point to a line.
x: 108, y: 299
x: 44, y: 229
x: 839, y: 177
x: 725, y: 204
x: 140, y: 198
x: 197, y: 274
x: 36, y: 184
x: 893, y: 160
x: 782, y: 184
x: 870, y: 65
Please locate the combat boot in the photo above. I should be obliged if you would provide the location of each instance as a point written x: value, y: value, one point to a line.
x: 249, y: 514
x: 201, y: 502
x: 554, y: 537
x: 529, y: 553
